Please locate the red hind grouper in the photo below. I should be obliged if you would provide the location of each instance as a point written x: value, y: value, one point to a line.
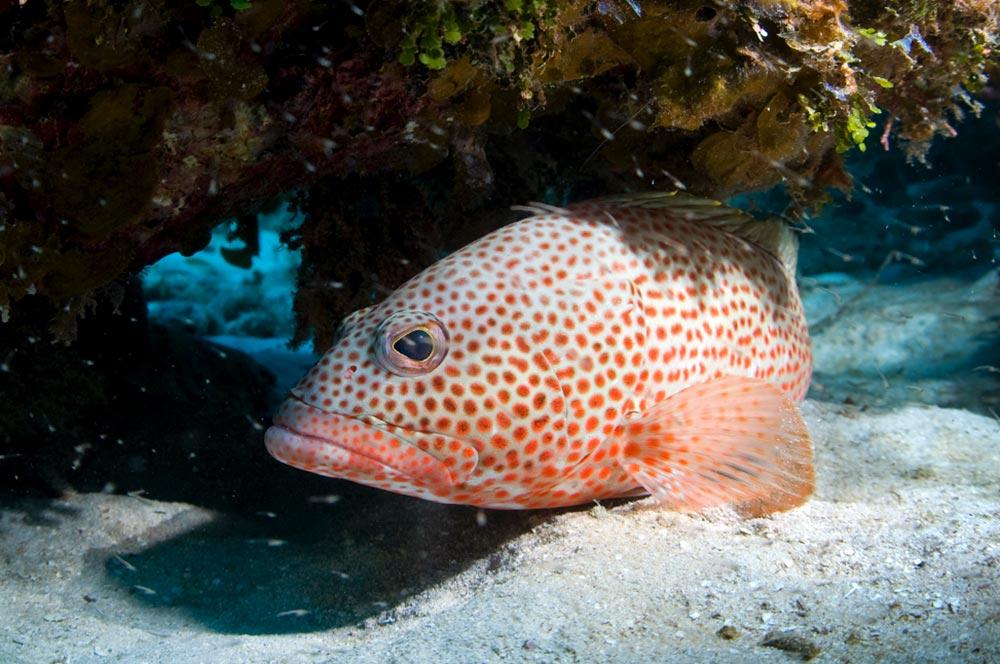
x: 640, y: 344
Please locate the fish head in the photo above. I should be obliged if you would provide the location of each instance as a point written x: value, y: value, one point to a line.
x: 353, y: 415
x: 483, y: 380
x: 415, y: 396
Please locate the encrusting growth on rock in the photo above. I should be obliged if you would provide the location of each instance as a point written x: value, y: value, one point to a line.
x: 127, y: 130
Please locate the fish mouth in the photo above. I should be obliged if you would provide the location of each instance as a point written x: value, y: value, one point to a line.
x: 361, y: 448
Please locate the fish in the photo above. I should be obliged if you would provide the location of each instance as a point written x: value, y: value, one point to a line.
x: 623, y: 346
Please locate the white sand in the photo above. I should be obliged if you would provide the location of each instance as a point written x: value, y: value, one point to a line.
x: 895, y: 559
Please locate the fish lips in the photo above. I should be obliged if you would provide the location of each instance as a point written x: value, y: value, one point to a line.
x: 363, y: 449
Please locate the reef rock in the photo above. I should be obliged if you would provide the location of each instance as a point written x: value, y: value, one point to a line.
x: 128, y: 129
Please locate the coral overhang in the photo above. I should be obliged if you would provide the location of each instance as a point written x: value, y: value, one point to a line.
x: 129, y: 129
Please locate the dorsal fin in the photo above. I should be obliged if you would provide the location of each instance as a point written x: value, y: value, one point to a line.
x: 772, y: 234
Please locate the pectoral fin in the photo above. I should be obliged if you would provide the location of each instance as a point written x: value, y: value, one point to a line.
x: 734, y: 440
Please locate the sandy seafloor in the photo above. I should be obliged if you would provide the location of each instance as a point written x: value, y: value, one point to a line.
x: 896, y: 558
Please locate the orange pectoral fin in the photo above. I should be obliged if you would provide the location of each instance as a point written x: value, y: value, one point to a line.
x: 734, y: 440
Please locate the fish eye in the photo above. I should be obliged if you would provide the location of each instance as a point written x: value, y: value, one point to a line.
x: 411, y: 343
x: 417, y: 345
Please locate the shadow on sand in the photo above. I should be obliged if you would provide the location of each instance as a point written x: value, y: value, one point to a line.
x: 295, y: 560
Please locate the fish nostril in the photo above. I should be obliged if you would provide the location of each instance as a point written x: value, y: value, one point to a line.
x: 349, y: 372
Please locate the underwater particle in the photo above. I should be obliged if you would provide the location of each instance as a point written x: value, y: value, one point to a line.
x: 268, y: 542
x: 792, y: 643
x: 124, y: 563
x: 331, y: 499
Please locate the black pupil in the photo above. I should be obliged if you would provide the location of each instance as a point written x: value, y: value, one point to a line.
x: 416, y: 345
